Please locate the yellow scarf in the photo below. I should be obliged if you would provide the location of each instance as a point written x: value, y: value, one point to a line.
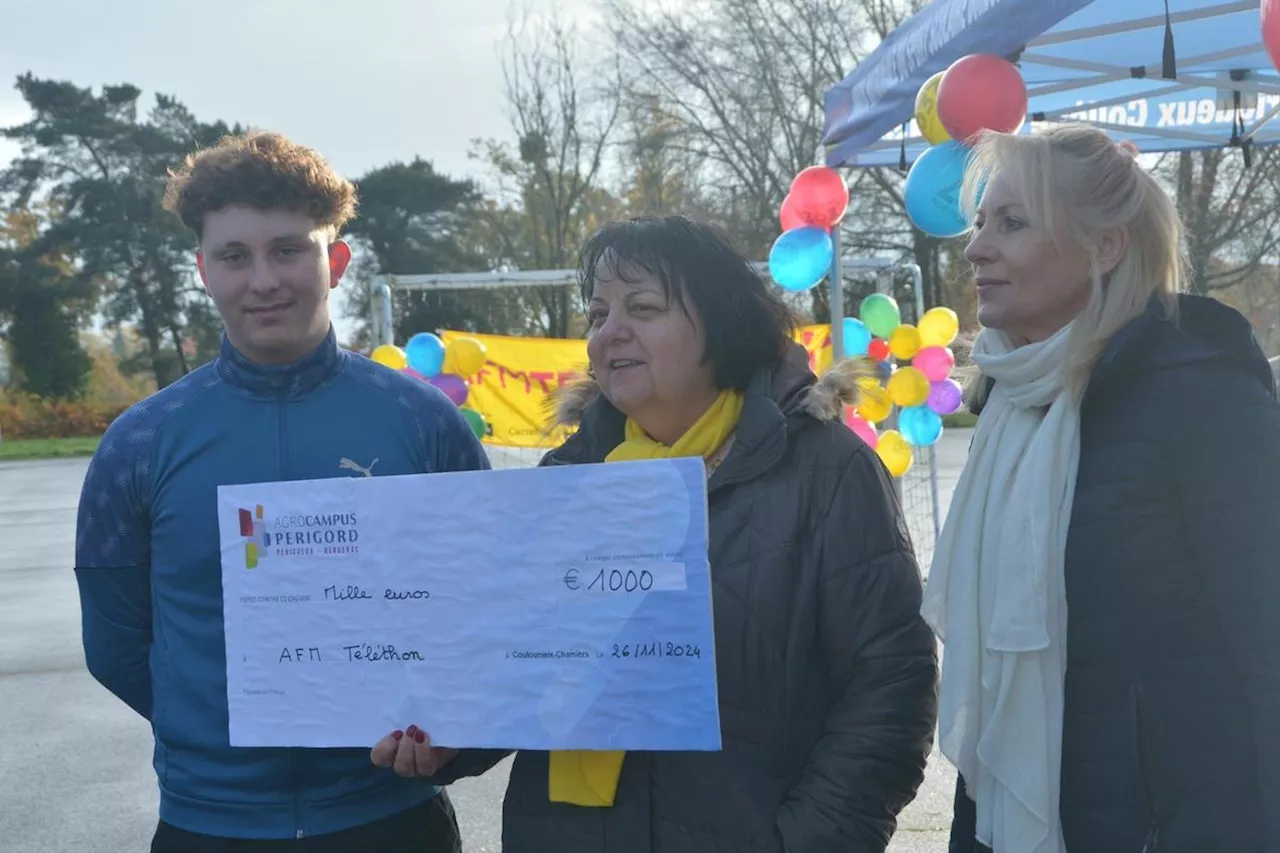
x: 590, y: 778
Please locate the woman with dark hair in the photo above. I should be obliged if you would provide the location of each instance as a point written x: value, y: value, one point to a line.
x: 826, y: 669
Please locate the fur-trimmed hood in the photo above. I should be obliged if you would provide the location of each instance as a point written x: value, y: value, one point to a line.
x: 789, y: 384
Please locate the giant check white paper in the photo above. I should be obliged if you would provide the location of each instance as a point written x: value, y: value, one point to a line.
x: 550, y: 608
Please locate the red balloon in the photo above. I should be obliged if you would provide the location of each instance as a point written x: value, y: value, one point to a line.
x: 878, y: 349
x: 788, y: 215
x: 981, y: 92
x: 819, y: 197
x: 1270, y: 13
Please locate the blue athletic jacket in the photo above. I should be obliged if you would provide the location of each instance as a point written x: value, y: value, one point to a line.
x: 149, y: 570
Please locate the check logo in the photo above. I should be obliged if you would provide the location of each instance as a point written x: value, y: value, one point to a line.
x: 253, y: 530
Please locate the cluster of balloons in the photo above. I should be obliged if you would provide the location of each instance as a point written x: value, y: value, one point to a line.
x: 976, y: 93
x: 915, y: 364
x: 425, y: 357
x: 801, y: 257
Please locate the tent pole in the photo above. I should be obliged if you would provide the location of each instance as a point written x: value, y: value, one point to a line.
x: 836, y: 299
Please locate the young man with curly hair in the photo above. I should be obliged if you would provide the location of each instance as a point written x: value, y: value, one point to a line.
x: 281, y: 402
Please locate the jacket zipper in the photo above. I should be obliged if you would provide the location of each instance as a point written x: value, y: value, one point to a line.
x: 1142, y: 749
x: 282, y: 456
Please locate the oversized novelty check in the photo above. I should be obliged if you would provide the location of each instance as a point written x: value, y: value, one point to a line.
x: 548, y: 608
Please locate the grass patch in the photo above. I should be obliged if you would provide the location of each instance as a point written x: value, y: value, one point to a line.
x: 47, y: 448
x: 960, y: 420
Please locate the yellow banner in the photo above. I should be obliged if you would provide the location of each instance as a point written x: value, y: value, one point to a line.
x: 520, y: 374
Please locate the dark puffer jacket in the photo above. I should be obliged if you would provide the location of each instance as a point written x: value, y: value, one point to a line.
x: 1171, y: 740
x: 827, y: 674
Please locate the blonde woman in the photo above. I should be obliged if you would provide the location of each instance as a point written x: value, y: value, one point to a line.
x: 1107, y: 579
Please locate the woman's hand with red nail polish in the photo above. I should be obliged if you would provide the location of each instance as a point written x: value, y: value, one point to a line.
x: 411, y: 754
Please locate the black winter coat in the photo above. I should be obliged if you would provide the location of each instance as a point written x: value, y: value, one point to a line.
x: 1171, y: 732
x: 827, y: 673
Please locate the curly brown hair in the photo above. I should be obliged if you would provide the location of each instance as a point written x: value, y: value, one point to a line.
x: 264, y: 171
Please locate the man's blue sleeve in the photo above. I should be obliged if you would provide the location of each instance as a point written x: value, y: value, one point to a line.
x: 457, y: 448
x: 113, y: 563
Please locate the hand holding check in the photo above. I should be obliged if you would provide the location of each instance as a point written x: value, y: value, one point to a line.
x: 410, y: 753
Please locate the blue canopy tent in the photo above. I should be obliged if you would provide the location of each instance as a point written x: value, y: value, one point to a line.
x: 1167, y: 75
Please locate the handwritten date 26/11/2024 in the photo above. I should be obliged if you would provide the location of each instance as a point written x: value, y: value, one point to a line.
x: 656, y: 649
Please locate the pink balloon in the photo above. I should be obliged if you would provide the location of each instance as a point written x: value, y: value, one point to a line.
x: 981, y: 92
x: 934, y: 362
x: 819, y: 196
x: 945, y: 397
x: 862, y: 428
x: 409, y: 371
x: 454, y: 387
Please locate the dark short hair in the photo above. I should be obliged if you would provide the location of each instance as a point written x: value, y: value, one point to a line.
x: 748, y: 326
x: 264, y: 171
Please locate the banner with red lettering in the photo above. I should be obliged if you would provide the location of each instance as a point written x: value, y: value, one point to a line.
x: 512, y: 390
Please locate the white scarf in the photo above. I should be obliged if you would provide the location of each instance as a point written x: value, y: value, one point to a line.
x: 996, y: 596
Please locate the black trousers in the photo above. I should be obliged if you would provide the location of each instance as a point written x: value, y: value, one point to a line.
x: 429, y: 828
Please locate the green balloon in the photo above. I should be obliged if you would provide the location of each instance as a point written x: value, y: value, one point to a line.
x: 476, y: 421
x: 880, y: 314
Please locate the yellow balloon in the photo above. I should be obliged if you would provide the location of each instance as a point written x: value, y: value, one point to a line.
x: 908, y: 387
x: 904, y: 343
x: 939, y: 327
x: 873, y: 403
x: 390, y: 355
x: 894, y: 452
x: 927, y: 111
x: 465, y: 355
x: 867, y: 383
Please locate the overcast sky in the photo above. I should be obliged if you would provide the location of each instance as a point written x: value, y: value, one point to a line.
x: 364, y: 81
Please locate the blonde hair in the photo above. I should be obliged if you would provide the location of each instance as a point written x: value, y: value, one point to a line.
x: 1074, y: 179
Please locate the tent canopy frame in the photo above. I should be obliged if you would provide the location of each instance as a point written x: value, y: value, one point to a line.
x: 880, y: 124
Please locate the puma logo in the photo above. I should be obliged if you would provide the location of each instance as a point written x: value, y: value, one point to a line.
x: 349, y: 465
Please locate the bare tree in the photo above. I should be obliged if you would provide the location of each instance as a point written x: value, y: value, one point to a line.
x: 738, y: 86
x: 1230, y: 210
x: 563, y: 112
x: 739, y: 82
x: 659, y: 176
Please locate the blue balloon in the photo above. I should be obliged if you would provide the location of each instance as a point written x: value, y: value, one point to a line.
x: 920, y: 425
x: 856, y: 337
x: 425, y: 353
x: 932, y: 191
x: 800, y: 258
